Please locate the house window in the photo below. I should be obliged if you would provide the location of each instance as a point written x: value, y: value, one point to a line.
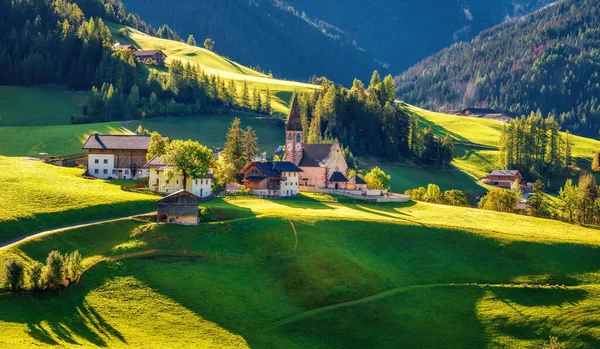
x: 114, y: 171
x: 105, y: 171
x: 106, y: 161
x: 197, y: 182
x: 96, y: 171
x: 140, y: 172
x: 126, y: 171
x: 96, y: 161
x: 177, y: 181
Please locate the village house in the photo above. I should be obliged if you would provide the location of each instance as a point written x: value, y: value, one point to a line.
x: 337, y: 181
x: 130, y: 48
x: 159, y: 181
x: 318, y: 162
x: 148, y: 56
x: 274, y: 179
x: 504, y: 178
x: 181, y: 207
x: 117, y: 156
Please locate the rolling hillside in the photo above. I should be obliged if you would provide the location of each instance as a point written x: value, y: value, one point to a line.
x: 353, y: 276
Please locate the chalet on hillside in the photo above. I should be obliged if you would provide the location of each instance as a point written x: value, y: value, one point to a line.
x: 130, y: 48
x: 117, y: 156
x: 486, y: 113
x: 148, y: 56
x: 276, y: 179
x: 181, y: 207
x: 504, y: 178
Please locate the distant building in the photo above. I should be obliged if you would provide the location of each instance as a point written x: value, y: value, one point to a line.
x: 356, y: 183
x: 147, y: 56
x: 181, y: 207
x: 317, y: 161
x: 159, y: 182
x: 276, y: 179
x: 118, y: 46
x: 504, y: 178
x: 485, y: 113
x: 117, y: 156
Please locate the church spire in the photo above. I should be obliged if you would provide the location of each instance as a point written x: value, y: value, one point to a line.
x: 294, y: 121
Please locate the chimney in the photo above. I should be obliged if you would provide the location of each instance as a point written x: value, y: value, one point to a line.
x: 96, y: 135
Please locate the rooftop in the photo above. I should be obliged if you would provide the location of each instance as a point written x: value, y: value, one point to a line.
x: 117, y: 142
x: 317, y: 155
x: 511, y: 173
x: 338, y: 177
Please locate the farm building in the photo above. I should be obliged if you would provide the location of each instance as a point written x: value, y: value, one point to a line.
x: 504, y: 178
x: 117, y: 156
x: 181, y: 207
x: 486, y: 113
x: 147, y: 56
x: 130, y: 48
x: 278, y: 179
x: 159, y: 182
x: 356, y: 183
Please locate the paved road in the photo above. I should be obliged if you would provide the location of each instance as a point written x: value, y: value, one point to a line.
x: 14, y: 242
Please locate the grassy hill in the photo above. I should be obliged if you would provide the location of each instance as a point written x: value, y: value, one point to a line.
x: 353, y: 275
x: 214, y: 64
x: 36, y: 196
x: 22, y: 106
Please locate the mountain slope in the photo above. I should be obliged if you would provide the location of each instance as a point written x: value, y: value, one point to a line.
x: 338, y: 39
x: 547, y: 60
x: 262, y: 33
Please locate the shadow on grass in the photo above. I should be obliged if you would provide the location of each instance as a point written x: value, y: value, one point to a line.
x: 66, y: 317
x: 27, y: 226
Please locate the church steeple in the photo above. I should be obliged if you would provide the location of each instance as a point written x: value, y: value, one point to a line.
x: 293, y: 135
x: 294, y: 120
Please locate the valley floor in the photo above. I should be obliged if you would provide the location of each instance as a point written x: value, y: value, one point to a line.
x: 317, y: 273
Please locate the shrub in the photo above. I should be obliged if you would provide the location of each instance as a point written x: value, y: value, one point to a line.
x: 14, y: 275
x: 500, y: 200
x: 73, y: 265
x: 455, y: 198
x: 378, y: 179
x: 55, y: 270
x: 418, y: 194
x: 35, y: 273
x: 434, y: 194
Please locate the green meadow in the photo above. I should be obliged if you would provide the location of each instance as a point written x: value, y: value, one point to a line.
x: 215, y: 64
x: 319, y: 274
x: 38, y: 196
x: 23, y: 106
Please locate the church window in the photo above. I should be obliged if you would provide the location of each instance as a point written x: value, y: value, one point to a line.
x: 298, y: 138
x: 290, y: 136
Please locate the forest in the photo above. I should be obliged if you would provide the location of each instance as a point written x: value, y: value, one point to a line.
x: 548, y: 60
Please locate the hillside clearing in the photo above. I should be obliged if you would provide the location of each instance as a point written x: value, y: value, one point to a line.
x: 361, y: 276
x: 37, y: 196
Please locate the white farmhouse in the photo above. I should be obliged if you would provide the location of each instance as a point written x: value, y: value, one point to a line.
x: 160, y: 183
x: 117, y: 156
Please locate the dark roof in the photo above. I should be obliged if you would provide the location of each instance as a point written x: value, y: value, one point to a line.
x: 145, y: 53
x: 294, y: 120
x: 286, y: 166
x: 480, y: 111
x: 510, y: 173
x: 121, y: 142
x: 273, y: 169
x: 357, y: 180
x: 254, y: 179
x: 156, y: 161
x: 338, y: 177
x: 181, y: 192
x: 316, y: 155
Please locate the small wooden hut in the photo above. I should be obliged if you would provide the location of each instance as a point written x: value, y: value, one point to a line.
x: 181, y: 207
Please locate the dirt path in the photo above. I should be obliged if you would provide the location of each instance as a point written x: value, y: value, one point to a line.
x: 9, y: 244
x: 377, y: 296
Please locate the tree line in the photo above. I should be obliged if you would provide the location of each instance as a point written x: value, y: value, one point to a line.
x: 37, y: 277
x: 535, y: 146
x: 368, y: 121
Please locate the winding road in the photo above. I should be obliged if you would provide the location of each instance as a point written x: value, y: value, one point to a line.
x: 9, y: 244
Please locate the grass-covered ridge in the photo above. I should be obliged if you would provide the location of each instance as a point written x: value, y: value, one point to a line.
x: 37, y: 196
x: 355, y: 275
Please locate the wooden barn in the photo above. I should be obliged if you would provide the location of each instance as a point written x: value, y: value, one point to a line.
x: 181, y: 207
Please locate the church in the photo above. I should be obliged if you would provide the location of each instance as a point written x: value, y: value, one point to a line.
x: 322, y: 165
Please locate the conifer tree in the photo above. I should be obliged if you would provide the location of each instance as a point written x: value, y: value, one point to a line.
x: 267, y: 106
x: 596, y: 162
x: 245, y: 97
x: 250, y: 145
x: 191, y: 41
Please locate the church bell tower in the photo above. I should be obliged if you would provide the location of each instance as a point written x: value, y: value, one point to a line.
x: 293, y: 135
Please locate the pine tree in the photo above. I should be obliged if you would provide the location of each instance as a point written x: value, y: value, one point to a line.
x: 245, y: 97
x: 596, y: 162
x: 568, y: 150
x: 191, y: 41
x: 267, y: 106
x: 234, y: 152
x: 251, y: 148
x: 314, y: 132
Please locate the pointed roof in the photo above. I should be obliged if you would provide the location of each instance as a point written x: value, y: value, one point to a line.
x: 294, y: 121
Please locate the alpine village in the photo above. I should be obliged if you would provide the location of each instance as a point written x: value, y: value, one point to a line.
x: 308, y: 174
